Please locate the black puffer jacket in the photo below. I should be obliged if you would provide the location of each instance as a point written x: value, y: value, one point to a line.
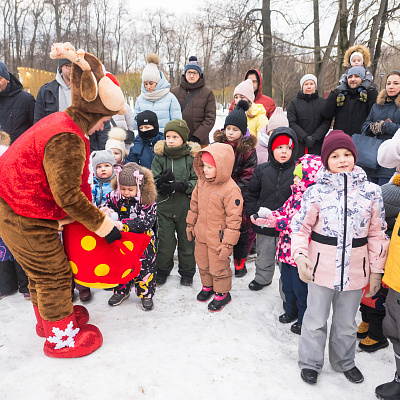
x: 16, y: 109
x: 271, y: 181
x: 349, y: 117
x: 46, y: 100
x: 305, y: 118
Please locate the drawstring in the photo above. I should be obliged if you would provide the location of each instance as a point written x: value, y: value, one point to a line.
x: 138, y: 176
x: 117, y: 193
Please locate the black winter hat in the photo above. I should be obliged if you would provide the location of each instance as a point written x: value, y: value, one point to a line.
x: 238, y: 117
x: 147, y: 118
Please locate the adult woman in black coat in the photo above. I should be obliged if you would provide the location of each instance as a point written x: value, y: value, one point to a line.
x: 305, y: 117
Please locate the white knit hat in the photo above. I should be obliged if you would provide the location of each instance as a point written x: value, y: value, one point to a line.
x: 308, y: 77
x: 356, y: 53
x: 116, y: 137
x: 150, y: 71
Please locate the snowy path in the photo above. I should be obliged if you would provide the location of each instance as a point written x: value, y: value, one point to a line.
x: 178, y: 351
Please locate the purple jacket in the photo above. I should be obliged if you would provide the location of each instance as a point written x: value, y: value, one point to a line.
x: 310, y: 165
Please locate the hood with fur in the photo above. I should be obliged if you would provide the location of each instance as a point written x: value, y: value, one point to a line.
x: 359, y: 49
x: 249, y: 143
x: 383, y: 96
x: 193, y: 148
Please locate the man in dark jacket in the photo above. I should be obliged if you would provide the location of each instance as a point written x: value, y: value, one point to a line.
x: 351, y: 107
x: 197, y: 102
x: 255, y: 76
x: 269, y: 187
x: 16, y: 106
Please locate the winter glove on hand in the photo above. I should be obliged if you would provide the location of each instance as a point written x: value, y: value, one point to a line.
x: 375, y: 281
x: 166, y: 176
x: 305, y: 268
x: 263, y: 212
x: 309, y: 141
x: 268, y: 222
x: 363, y: 95
x: 61, y: 222
x: 224, y: 251
x: 190, y: 232
x: 168, y: 187
x: 340, y: 99
x: 376, y: 127
x: 115, y: 234
x: 119, y: 225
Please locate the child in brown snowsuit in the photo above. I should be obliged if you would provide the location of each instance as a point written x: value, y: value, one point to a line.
x: 214, y: 221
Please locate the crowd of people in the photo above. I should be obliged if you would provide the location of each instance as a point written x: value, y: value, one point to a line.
x: 289, y: 184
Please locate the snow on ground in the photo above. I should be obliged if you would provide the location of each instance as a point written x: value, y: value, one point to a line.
x: 178, y: 351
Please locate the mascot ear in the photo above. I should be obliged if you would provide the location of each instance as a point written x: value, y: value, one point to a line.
x: 89, y: 88
x: 111, y: 95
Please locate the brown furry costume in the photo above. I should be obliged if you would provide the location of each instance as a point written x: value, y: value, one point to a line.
x: 56, y: 182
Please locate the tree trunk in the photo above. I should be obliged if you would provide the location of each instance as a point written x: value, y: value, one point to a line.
x: 343, y: 42
x: 353, y: 23
x: 375, y: 26
x: 317, y: 42
x: 267, y: 48
x: 378, y: 47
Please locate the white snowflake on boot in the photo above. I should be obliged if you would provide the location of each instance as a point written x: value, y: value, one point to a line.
x: 64, y: 338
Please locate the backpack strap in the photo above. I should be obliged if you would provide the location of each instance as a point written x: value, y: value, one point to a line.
x: 189, y: 98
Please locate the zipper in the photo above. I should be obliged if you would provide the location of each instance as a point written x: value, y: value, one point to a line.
x: 365, y: 273
x: 344, y: 231
x: 316, y: 265
x: 277, y: 188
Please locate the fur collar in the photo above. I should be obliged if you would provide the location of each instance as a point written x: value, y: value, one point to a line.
x: 193, y: 146
x: 360, y: 49
x: 383, y: 96
x: 248, y: 143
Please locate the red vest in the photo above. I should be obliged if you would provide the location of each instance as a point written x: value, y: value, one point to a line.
x: 23, y: 181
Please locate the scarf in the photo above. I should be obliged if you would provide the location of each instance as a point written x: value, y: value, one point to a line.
x: 176, y: 152
x: 156, y: 95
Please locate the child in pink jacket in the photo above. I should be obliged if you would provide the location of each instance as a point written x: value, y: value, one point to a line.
x: 344, y: 216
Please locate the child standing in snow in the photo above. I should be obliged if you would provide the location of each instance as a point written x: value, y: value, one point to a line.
x: 344, y: 217
x: 256, y: 114
x: 295, y: 290
x: 214, y: 221
x: 236, y: 134
x: 133, y: 199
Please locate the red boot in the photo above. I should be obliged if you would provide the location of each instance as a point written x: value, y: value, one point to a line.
x: 81, y: 316
x: 240, y: 267
x: 64, y: 339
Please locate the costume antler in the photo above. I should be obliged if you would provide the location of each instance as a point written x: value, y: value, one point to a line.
x: 66, y: 50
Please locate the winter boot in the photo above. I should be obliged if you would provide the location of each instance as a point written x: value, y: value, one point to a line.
x: 147, y: 304
x: 370, y: 345
x: 254, y: 285
x: 389, y: 390
x: 354, y: 375
x: 287, y: 319
x: 162, y: 277
x: 186, y: 280
x: 219, y: 302
x: 64, y: 339
x: 240, y: 267
x: 85, y: 295
x: 205, y: 294
x: 81, y: 316
x: 362, y: 332
x: 117, y: 298
x: 296, y: 328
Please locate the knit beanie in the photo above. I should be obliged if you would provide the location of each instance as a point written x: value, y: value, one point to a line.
x: 356, y: 53
x: 390, y: 195
x: 282, y: 140
x: 206, y: 157
x: 238, y: 117
x: 116, y: 140
x: 127, y: 176
x: 180, y: 127
x: 298, y: 171
x: 336, y: 139
x: 278, y: 118
x: 63, y: 61
x: 147, y: 118
x: 357, y: 70
x: 193, y: 64
x: 100, y: 157
x: 4, y: 71
x: 150, y: 71
x: 308, y: 77
x: 246, y: 89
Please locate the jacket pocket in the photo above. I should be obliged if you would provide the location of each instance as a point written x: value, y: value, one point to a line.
x: 316, y: 265
x: 365, y: 273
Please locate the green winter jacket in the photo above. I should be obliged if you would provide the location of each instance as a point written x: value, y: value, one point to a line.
x: 183, y: 171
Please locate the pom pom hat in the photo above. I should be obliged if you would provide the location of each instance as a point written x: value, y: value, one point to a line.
x: 116, y: 140
x: 150, y: 71
x: 282, y: 140
x: 336, y: 139
x: 238, y: 116
x: 245, y: 89
x: 278, y: 118
x: 193, y: 64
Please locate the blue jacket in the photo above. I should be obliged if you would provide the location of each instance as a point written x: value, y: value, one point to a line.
x: 167, y: 108
x: 142, y: 151
x: 99, y: 192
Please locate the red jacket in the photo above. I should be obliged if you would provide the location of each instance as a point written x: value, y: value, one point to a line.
x: 27, y: 190
x: 260, y: 98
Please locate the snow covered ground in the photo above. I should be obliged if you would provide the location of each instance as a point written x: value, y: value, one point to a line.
x: 178, y: 351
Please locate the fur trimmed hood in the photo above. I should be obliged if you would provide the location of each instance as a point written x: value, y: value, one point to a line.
x: 382, y: 97
x: 248, y: 143
x: 4, y: 139
x: 360, y: 49
x: 193, y: 146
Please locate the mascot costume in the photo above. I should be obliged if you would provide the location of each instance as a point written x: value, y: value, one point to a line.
x: 44, y: 180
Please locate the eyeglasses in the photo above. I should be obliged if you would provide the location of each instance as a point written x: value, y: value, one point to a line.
x: 194, y: 73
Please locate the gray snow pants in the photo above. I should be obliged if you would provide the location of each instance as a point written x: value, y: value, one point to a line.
x: 265, y: 262
x: 391, y: 323
x: 343, y: 332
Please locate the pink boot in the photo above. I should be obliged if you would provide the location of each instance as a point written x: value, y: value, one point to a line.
x: 81, y: 316
x: 64, y: 339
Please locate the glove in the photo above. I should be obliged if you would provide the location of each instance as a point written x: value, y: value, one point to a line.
x: 268, y: 222
x: 305, y: 268
x: 61, y: 222
x: 171, y: 187
x: 376, y: 127
x: 166, y: 176
x: 375, y: 281
x: 224, y: 251
x: 190, y: 232
x: 115, y: 234
x: 309, y: 141
x: 340, y: 99
x: 263, y: 212
x: 119, y: 225
x: 363, y: 95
